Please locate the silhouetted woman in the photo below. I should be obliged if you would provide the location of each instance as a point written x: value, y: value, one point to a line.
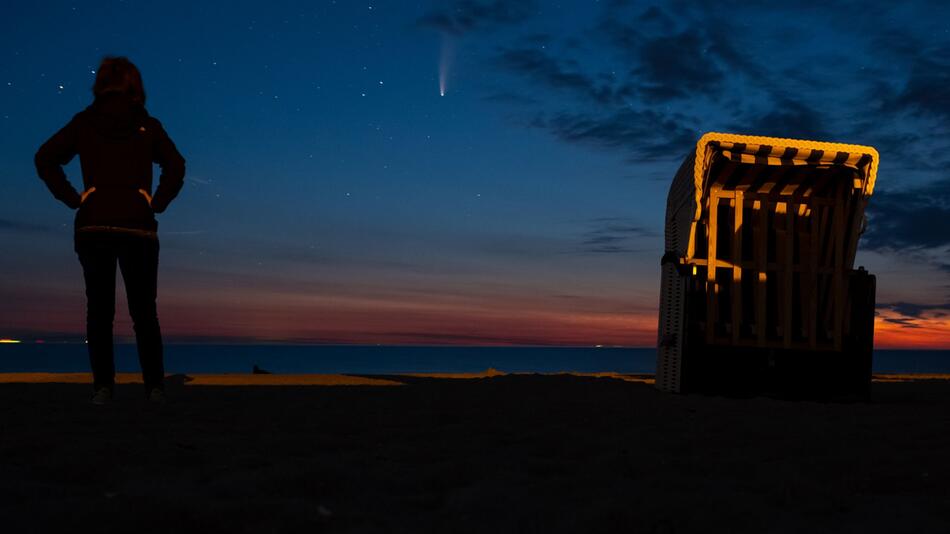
x: 117, y: 142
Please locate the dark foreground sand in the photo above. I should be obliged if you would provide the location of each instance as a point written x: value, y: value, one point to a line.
x: 522, y: 453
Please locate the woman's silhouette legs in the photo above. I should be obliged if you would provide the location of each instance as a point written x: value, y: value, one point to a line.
x: 137, y: 257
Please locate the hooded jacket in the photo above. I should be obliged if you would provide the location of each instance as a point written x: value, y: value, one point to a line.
x: 117, y: 142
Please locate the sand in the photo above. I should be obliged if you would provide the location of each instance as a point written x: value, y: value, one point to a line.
x: 489, y: 452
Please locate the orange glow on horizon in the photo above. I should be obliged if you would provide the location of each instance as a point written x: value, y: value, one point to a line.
x: 400, y: 317
x: 415, y: 325
x: 917, y: 333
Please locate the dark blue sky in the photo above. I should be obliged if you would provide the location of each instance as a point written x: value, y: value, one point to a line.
x: 334, y: 195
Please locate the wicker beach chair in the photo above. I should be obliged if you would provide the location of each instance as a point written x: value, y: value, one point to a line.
x: 758, y: 290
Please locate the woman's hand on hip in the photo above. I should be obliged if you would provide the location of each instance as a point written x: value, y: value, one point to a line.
x: 147, y: 196
x: 86, y: 193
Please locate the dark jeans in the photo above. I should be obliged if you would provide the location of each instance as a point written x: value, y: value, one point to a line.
x: 137, y: 257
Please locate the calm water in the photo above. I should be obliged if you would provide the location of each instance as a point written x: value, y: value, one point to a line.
x: 384, y: 359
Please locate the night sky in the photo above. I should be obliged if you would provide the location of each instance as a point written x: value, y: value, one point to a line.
x: 463, y: 172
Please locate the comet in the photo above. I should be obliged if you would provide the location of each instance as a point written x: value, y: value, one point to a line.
x: 445, y: 62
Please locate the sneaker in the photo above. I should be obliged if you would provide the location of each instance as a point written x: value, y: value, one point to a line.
x: 102, y: 396
x: 156, y: 395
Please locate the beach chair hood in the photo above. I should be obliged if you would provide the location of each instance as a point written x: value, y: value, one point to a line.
x: 692, y: 181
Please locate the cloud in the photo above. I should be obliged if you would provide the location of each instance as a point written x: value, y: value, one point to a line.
x: 469, y: 15
x: 917, y: 217
x: 448, y: 338
x: 518, y: 245
x: 927, y: 93
x: 507, y: 97
x: 670, y: 66
x: 611, y: 235
x: 905, y: 322
x: 677, y: 66
x: 648, y: 134
x: 722, y: 46
x: 648, y: 79
x: 540, y: 67
x: 675, y: 57
x: 786, y: 118
x: 21, y: 226
x: 914, y: 310
x: 911, y: 314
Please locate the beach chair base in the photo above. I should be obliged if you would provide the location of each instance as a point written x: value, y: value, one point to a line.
x: 801, y: 373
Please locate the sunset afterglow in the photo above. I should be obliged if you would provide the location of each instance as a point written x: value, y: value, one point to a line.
x: 443, y: 173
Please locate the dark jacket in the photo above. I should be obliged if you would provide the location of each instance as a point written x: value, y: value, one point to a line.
x: 117, y: 141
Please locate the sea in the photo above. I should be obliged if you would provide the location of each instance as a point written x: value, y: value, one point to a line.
x: 381, y: 359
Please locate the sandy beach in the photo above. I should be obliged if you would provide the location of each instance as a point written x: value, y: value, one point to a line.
x: 479, y: 453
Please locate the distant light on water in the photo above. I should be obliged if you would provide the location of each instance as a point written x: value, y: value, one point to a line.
x: 9, y: 341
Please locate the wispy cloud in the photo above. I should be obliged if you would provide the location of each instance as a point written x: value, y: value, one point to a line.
x: 915, y: 310
x: 468, y: 15
x: 787, y: 118
x: 917, y: 217
x: 912, y: 314
x: 23, y: 226
x: 677, y: 66
x: 690, y: 68
x: 905, y: 322
x: 641, y: 134
x: 927, y: 92
x: 612, y: 235
x: 542, y: 68
x: 508, y: 97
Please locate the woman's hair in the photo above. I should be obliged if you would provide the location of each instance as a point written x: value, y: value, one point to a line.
x: 119, y: 75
